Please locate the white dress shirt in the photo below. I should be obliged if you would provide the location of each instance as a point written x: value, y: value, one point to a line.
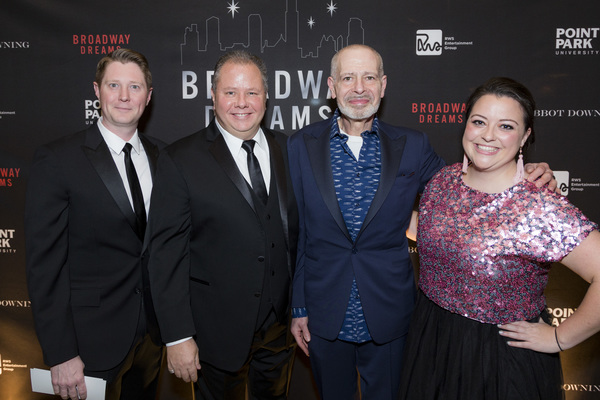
x: 261, y: 151
x: 139, y: 158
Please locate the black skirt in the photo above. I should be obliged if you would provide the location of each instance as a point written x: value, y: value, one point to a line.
x: 448, y: 356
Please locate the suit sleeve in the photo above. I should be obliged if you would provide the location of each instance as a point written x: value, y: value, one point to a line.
x: 169, y: 265
x: 295, y: 174
x: 46, y: 236
x: 431, y: 163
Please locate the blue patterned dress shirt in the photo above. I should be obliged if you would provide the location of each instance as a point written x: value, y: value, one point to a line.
x: 355, y: 182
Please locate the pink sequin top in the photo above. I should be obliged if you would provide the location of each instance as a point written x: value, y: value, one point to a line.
x: 487, y: 256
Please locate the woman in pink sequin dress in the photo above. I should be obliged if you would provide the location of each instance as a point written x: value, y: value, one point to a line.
x: 486, y: 240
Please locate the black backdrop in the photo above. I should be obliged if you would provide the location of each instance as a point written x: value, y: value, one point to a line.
x: 435, y: 53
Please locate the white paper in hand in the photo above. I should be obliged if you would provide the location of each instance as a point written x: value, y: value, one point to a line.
x: 41, y: 382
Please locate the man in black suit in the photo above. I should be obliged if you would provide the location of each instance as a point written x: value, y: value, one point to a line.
x: 223, y: 245
x: 86, y: 207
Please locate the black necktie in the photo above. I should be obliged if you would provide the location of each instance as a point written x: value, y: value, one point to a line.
x: 256, y: 177
x: 136, y: 192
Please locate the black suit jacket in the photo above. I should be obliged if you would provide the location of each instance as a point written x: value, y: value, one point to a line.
x: 84, y: 259
x: 206, y: 245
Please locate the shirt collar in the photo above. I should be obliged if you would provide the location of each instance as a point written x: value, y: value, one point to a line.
x: 234, y: 142
x: 336, y: 130
x: 114, y: 142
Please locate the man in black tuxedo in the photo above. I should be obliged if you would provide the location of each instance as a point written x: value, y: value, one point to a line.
x: 87, y: 202
x: 223, y: 245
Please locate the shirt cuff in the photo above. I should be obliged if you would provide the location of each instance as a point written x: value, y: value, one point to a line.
x: 177, y: 342
x: 299, y: 312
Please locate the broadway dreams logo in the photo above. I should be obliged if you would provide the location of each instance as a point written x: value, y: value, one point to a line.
x: 100, y: 43
x: 8, y: 176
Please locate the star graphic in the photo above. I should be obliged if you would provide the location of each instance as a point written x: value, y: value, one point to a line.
x: 233, y: 8
x: 311, y: 22
x: 331, y: 7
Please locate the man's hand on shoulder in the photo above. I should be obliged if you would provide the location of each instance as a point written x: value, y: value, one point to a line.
x: 541, y: 174
x: 68, y: 379
x: 183, y: 360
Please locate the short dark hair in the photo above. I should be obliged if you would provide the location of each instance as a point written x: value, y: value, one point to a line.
x: 240, y: 57
x: 124, y: 56
x: 507, y: 87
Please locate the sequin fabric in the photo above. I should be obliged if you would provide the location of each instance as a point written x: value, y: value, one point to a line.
x: 487, y: 256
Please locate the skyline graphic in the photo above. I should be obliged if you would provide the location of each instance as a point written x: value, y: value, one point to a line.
x: 297, y: 33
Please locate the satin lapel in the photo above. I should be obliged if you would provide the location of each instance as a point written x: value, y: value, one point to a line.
x: 320, y: 161
x: 391, y: 154
x: 99, y: 155
x: 152, y: 154
x: 221, y: 153
x: 278, y: 173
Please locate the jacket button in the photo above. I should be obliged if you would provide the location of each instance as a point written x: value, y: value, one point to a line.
x: 138, y: 291
x: 257, y: 294
x: 354, y: 250
x: 261, y: 258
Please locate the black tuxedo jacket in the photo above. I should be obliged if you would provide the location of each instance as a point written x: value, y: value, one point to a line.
x: 207, y: 242
x: 84, y: 259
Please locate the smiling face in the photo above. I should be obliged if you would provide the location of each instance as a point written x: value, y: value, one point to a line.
x: 123, y: 96
x: 494, y: 132
x: 240, y: 99
x: 358, y: 84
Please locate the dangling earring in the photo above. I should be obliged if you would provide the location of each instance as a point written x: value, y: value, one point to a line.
x: 520, y: 169
x: 465, y: 164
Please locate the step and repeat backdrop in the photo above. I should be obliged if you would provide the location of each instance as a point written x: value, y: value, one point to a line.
x: 435, y: 53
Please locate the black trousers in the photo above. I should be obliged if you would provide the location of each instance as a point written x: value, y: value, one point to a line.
x: 265, y: 375
x: 136, y: 377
